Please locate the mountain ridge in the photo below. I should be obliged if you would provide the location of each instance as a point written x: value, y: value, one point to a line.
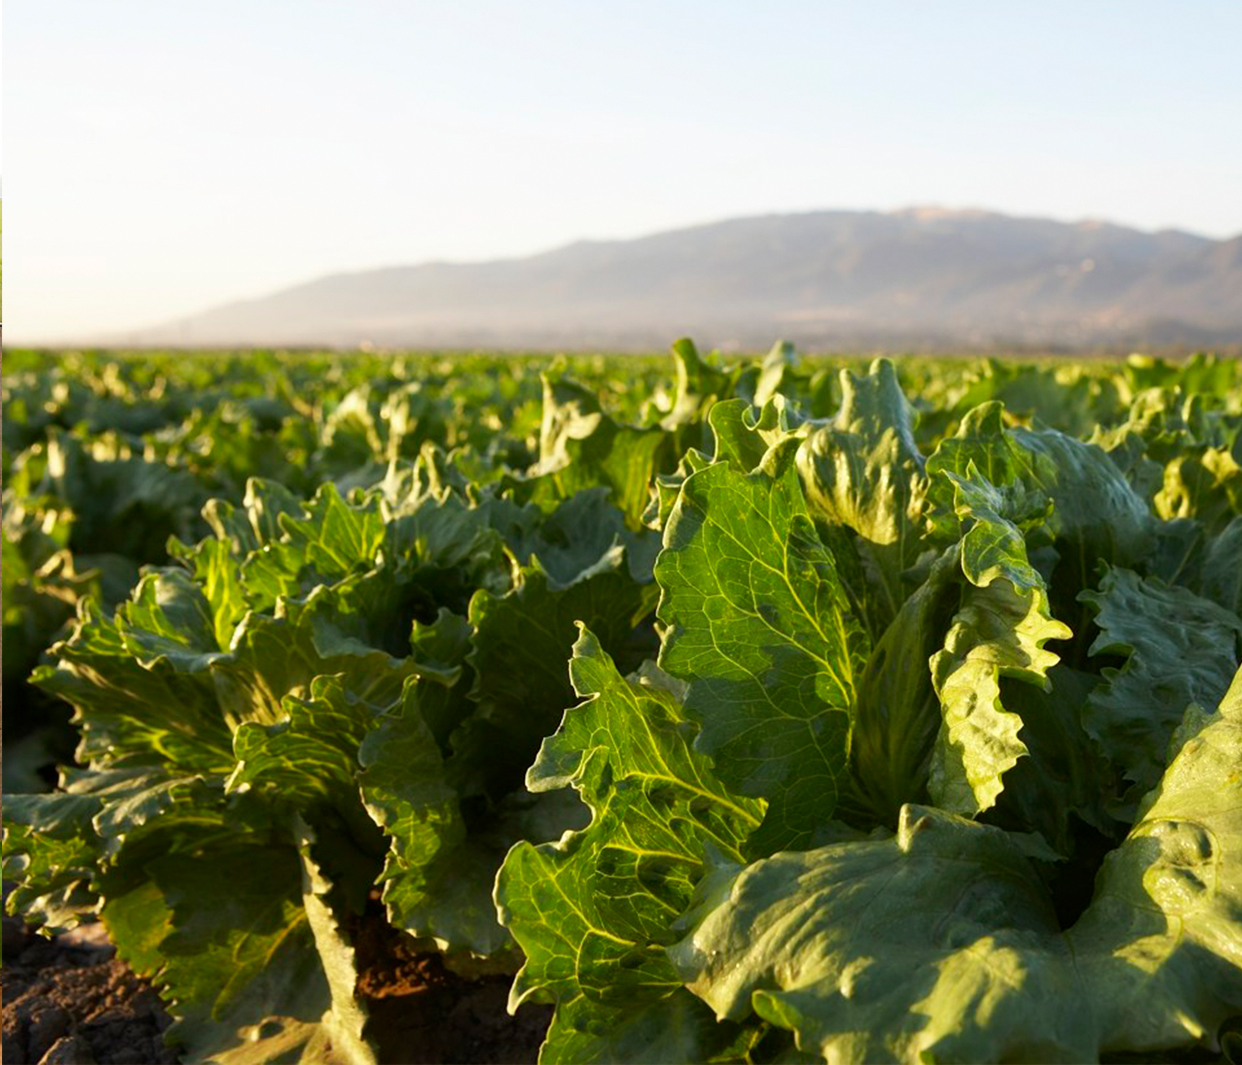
x: 919, y: 277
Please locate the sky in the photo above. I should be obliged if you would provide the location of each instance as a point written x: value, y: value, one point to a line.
x: 162, y: 158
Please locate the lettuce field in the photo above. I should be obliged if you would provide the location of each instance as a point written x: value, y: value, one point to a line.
x: 742, y: 710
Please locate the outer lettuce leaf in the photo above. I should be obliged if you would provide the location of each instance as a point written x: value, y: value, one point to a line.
x: 999, y: 631
x: 454, y: 905
x: 1096, y: 513
x: 1206, y: 485
x: 51, y: 855
x: 325, y: 540
x: 521, y: 642
x: 581, y: 563
x: 263, y: 506
x: 667, y: 487
x: 760, y: 628
x: 309, y: 759
x: 406, y: 791
x: 703, y: 386
x: 674, y: 1029
x: 411, y: 417
x: 121, y: 679
x: 1064, y: 777
x: 1178, y: 648
x: 213, y: 567
x: 139, y: 805
x: 938, y: 944
x: 223, y: 909
x: 332, y: 631
x: 592, y: 910
x: 249, y: 953
x: 1127, y: 450
x: 699, y: 385
x: 739, y: 436
x: 744, y: 437
x: 777, y: 374
x: 1206, y: 564
x: 60, y: 848
x: 880, y: 950
x: 439, y: 652
x: 580, y: 536
x: 582, y: 447
x: 443, y: 550
x: 1221, y: 579
x: 351, y: 434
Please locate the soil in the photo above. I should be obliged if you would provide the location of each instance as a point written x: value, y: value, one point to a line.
x: 421, y: 1013
x: 70, y: 1001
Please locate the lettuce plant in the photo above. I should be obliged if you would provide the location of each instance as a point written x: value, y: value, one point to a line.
x: 307, y: 725
x: 939, y: 762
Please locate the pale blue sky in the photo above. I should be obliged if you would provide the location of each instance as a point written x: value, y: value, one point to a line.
x: 163, y: 156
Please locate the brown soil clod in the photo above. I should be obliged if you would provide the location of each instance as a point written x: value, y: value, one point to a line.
x: 70, y: 1001
x: 422, y: 1013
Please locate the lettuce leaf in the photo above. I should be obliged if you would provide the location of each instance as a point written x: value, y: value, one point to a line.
x: 593, y: 910
x: 939, y: 943
x: 1177, y: 649
x: 761, y: 630
x: 999, y: 631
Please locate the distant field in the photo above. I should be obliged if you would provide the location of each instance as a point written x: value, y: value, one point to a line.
x: 743, y: 709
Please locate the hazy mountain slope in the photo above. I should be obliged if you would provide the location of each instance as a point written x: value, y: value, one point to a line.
x: 827, y: 278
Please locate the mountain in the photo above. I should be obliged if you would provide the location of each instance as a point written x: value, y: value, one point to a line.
x: 922, y: 278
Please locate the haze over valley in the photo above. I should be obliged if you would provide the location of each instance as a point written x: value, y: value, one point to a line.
x: 920, y: 278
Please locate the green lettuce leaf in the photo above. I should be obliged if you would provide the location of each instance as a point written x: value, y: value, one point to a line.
x: 898, y: 715
x: 777, y: 374
x: 309, y: 759
x: 521, y: 643
x: 939, y: 943
x: 743, y: 436
x: 1064, y: 781
x: 592, y: 910
x: 760, y: 629
x: 249, y: 952
x: 1178, y: 649
x: 1221, y: 576
x: 324, y: 541
x: 121, y: 677
x: 407, y: 792
x: 227, y: 913
x: 999, y: 631
x: 1095, y: 514
x: 51, y: 857
x: 863, y: 470
x: 581, y: 447
x: 700, y: 384
x: 1205, y: 484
